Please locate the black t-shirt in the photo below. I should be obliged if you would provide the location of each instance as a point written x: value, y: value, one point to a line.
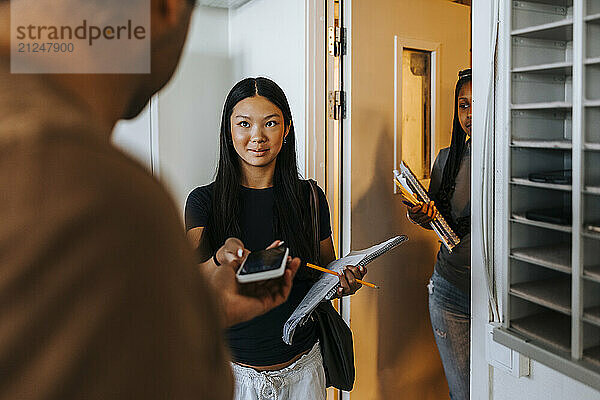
x: 259, y: 341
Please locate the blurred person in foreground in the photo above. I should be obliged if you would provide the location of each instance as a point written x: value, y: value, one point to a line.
x: 99, y: 294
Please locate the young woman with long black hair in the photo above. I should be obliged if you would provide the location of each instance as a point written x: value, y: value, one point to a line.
x: 450, y: 284
x: 256, y: 198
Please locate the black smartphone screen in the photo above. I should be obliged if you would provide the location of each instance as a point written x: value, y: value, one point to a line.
x: 263, y: 260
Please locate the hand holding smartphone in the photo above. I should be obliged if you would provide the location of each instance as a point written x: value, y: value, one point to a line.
x: 263, y: 265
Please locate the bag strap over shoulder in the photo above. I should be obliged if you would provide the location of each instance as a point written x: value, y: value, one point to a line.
x: 337, y: 348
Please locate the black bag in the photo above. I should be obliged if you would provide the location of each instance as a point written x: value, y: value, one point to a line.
x: 335, y: 337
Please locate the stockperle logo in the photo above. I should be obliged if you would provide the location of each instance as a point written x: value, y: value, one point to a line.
x: 80, y: 36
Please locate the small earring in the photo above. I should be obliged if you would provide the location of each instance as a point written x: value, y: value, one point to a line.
x: 284, y: 140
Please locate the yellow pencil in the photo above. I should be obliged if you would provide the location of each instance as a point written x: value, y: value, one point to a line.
x: 333, y: 273
x: 406, y: 194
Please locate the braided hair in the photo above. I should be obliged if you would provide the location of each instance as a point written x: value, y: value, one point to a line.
x: 461, y: 226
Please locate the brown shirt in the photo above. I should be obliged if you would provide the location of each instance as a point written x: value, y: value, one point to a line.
x: 99, y: 296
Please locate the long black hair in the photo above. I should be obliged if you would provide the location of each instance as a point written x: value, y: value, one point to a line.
x: 292, y: 220
x: 458, y: 145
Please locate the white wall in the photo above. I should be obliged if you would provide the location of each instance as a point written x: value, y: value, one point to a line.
x: 189, y: 108
x: 487, y: 382
x: 267, y: 38
x: 544, y: 384
x: 261, y: 38
x: 134, y: 138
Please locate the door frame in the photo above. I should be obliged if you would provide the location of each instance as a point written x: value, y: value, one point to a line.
x: 318, y: 66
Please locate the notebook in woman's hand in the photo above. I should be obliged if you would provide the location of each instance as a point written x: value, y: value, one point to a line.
x: 407, y: 179
x: 326, y: 287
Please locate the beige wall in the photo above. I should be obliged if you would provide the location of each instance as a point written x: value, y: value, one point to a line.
x: 396, y: 355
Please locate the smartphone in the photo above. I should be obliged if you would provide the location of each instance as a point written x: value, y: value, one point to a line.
x: 263, y: 264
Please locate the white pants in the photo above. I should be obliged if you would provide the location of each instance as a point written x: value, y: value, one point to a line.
x: 302, y: 380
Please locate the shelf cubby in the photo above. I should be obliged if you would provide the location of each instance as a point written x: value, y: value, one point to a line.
x: 531, y: 235
x: 542, y: 125
x: 591, y: 302
x: 591, y: 340
x: 526, y: 160
x: 542, y: 89
x: 592, y: 82
x: 591, y: 259
x: 563, y: 3
x: 559, y: 68
x: 591, y: 216
x: 541, y: 185
x: 529, y: 52
x: 549, y: 105
x: 592, y: 125
x: 555, y: 256
x: 592, y: 273
x: 521, y: 218
x: 591, y: 235
x: 592, y: 175
x: 592, y: 49
x: 592, y: 356
x: 528, y: 14
x: 552, y: 293
x: 542, y: 144
x: 529, y: 202
x: 592, y: 315
x: 592, y: 7
x: 592, y: 61
x: 593, y: 18
x: 558, y: 31
x: 592, y: 190
x: 546, y: 328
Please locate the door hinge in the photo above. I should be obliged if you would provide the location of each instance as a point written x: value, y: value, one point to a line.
x: 336, y: 41
x: 337, y: 104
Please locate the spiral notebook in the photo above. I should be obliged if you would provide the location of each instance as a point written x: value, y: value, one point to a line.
x: 409, y: 181
x: 326, y: 287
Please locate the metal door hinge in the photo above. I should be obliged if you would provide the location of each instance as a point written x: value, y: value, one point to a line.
x: 336, y: 41
x: 337, y: 105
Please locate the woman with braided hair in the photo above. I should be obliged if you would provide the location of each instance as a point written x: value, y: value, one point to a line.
x: 450, y: 284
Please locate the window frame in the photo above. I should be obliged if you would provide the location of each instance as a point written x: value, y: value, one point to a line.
x: 434, y: 48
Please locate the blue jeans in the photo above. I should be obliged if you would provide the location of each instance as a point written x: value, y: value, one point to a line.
x: 450, y: 313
